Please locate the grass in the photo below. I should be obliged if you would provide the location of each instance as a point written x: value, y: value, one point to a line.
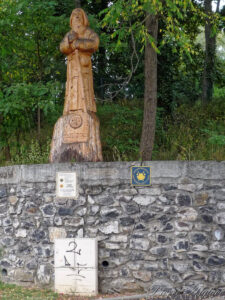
x: 13, y: 292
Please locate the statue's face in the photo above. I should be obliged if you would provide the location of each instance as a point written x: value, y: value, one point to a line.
x: 77, y: 19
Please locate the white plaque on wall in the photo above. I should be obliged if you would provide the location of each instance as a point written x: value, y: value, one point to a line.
x: 66, y: 185
x: 76, y: 266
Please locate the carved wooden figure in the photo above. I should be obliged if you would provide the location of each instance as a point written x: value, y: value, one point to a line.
x: 76, y: 134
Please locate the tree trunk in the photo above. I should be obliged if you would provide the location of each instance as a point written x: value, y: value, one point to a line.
x: 218, y: 6
x: 7, y: 153
x: 150, y: 94
x: 18, y: 132
x: 210, y: 50
x: 39, y: 123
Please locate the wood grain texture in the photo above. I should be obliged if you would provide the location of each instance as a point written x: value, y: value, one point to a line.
x: 76, y: 151
x: 76, y: 134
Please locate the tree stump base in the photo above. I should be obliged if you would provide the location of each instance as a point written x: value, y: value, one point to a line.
x: 76, y: 137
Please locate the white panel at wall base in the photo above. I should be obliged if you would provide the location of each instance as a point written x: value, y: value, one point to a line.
x: 70, y: 282
x: 65, y: 281
x: 76, y: 264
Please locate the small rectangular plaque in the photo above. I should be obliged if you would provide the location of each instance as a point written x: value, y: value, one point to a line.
x: 66, y: 185
x: 141, y: 176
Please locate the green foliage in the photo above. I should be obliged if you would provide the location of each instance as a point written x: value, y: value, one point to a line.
x: 178, y: 79
x: 31, y: 67
x: 193, y: 132
x: 18, y: 104
x: 120, y: 130
x: 220, y: 74
x: 29, y: 35
x: 129, y: 18
x: 124, y: 36
x: 33, y: 75
x: 219, y: 93
x: 215, y: 139
x: 32, y: 153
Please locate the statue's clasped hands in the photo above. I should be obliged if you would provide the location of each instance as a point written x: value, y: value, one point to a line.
x: 73, y: 36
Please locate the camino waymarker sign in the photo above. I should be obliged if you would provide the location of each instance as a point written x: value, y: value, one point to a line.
x: 141, y: 176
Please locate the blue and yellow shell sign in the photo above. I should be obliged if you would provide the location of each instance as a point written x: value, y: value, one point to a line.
x: 140, y: 176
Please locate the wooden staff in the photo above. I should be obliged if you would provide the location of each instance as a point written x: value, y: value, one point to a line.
x: 81, y: 78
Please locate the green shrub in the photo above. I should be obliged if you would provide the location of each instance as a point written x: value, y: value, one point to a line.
x: 32, y: 153
x: 194, y: 132
x: 120, y: 127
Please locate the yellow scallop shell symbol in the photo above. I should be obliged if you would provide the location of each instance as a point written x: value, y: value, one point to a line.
x: 141, y: 176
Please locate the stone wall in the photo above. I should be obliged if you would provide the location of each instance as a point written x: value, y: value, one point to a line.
x: 169, y: 235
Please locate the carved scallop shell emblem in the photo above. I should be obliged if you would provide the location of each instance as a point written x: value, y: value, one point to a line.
x: 75, y: 121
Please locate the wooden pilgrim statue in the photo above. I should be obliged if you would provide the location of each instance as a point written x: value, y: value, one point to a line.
x: 76, y: 134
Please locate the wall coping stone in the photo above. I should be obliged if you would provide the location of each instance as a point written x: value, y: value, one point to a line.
x: 162, y: 171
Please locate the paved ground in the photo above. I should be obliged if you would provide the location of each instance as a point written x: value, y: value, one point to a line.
x: 143, y: 297
x: 180, y: 297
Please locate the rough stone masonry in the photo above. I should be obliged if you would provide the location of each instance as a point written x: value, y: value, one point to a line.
x: 169, y: 235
